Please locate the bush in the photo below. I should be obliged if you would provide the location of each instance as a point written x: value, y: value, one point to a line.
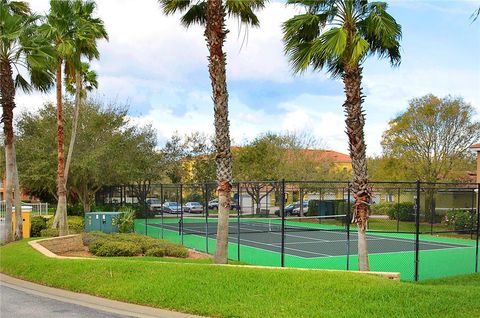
x: 75, y: 224
x: 90, y: 237
x: 38, y: 224
x: 126, y: 220
x: 404, y: 211
x: 460, y: 220
x: 49, y: 232
x: 75, y: 210
x: 105, y: 247
x: 382, y: 208
x: 145, y: 245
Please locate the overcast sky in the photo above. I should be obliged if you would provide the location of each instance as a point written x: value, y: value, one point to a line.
x: 160, y: 69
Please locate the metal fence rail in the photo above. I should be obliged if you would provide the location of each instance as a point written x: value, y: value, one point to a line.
x: 422, y: 230
x: 36, y: 208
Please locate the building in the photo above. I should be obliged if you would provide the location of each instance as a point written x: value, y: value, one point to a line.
x: 24, y: 195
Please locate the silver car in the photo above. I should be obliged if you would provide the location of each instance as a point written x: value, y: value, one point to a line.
x: 193, y: 207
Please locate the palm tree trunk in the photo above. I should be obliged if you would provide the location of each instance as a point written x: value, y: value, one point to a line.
x: 355, y: 122
x: 215, y: 34
x: 60, y: 220
x: 78, y: 83
x: 18, y: 203
x: 7, y: 98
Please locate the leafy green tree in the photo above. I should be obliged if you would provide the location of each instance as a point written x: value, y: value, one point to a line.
x: 211, y: 14
x: 26, y: 61
x: 338, y: 36
x: 432, y: 136
x: 109, y: 150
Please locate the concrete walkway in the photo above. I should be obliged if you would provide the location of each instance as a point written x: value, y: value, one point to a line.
x: 19, y: 298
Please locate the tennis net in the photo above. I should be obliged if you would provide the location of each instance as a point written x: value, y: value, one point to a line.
x: 202, y: 225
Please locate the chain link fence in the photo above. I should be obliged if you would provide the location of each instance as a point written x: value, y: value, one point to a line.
x: 422, y: 230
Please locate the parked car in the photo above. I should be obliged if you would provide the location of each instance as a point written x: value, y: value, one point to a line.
x: 172, y: 207
x: 193, y: 207
x: 296, y: 211
x: 213, y: 205
x: 154, y: 204
x: 293, y: 209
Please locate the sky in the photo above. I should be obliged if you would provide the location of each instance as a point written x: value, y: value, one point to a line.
x: 159, y: 68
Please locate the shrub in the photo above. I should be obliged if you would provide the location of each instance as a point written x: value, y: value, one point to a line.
x: 460, y: 220
x: 156, y: 252
x: 75, y: 224
x: 105, y: 247
x: 38, y: 224
x: 382, y: 208
x: 404, y: 211
x: 126, y: 220
x: 90, y: 237
x: 49, y: 232
x: 75, y: 210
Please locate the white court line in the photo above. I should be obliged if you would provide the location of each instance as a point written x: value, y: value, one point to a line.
x: 335, y: 241
x: 287, y: 248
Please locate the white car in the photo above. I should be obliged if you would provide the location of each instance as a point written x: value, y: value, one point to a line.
x: 193, y: 207
x: 154, y: 204
x: 305, y: 209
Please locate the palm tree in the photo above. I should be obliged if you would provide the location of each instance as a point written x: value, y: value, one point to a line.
x: 211, y: 14
x: 74, y: 32
x: 338, y: 35
x: 87, y: 31
x: 22, y: 51
x: 60, y: 30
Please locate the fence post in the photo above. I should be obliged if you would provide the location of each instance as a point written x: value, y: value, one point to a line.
x: 161, y: 207
x: 238, y: 220
x: 478, y: 226
x: 181, y: 211
x: 205, y: 198
x: 398, y: 210
x: 282, y: 211
x: 417, y: 230
x: 348, y: 220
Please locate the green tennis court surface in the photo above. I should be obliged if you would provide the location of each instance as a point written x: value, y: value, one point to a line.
x: 319, y: 245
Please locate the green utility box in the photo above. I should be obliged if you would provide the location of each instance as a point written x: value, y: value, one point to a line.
x: 102, y: 221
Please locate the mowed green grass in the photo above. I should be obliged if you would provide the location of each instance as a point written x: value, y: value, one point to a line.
x: 228, y: 291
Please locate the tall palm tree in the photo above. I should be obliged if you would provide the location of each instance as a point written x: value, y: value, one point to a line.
x: 211, y: 14
x: 22, y: 51
x: 60, y: 30
x: 80, y: 79
x: 338, y: 35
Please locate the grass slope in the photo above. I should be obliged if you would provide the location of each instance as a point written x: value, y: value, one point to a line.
x: 245, y: 292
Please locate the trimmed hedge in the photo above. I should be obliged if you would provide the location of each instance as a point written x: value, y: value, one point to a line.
x: 130, y: 244
x: 49, y: 232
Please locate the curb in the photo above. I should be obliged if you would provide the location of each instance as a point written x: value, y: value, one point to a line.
x: 97, y: 303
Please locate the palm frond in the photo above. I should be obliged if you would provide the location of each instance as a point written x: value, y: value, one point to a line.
x: 172, y: 6
x: 244, y: 10
x: 196, y: 14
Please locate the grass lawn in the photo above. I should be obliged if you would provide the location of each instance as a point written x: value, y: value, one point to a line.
x: 209, y: 290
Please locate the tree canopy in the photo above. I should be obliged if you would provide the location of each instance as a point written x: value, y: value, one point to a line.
x: 432, y: 136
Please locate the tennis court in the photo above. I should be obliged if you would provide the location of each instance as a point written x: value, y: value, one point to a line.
x: 317, y: 242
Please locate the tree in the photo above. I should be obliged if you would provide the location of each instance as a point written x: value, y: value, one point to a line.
x: 109, y: 150
x: 338, y: 36
x: 211, y: 14
x: 431, y: 136
x: 21, y: 49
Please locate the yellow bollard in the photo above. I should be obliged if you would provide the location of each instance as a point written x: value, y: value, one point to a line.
x: 26, y: 216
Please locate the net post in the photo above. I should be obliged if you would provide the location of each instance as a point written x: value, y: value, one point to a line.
x: 478, y: 227
x: 417, y: 231
x: 238, y: 221
x: 348, y: 219
x: 282, y: 211
x: 205, y: 198
x: 145, y: 213
x: 161, y: 207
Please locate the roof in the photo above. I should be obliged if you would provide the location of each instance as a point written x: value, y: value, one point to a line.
x: 334, y: 156
x: 475, y: 146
